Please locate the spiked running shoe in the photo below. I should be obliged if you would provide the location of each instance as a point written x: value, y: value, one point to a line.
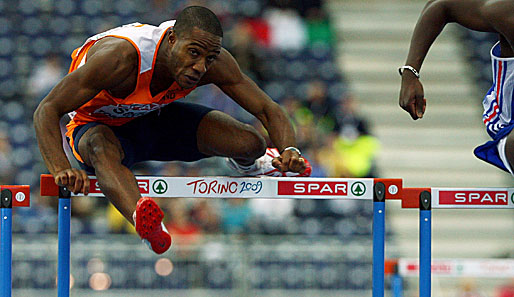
x: 263, y: 166
x: 148, y: 223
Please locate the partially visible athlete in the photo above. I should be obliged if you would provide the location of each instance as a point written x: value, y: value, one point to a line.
x: 495, y: 16
x: 121, y: 93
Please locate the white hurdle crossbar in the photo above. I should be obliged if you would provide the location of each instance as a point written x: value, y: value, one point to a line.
x: 483, y: 268
x: 376, y: 190
x: 477, y: 268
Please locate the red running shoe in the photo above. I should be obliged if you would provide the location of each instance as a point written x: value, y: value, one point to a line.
x: 148, y: 222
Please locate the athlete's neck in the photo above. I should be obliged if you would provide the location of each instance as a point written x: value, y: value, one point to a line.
x: 163, y: 76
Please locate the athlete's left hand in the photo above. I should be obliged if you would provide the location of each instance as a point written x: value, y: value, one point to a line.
x: 412, y: 97
x: 289, y: 160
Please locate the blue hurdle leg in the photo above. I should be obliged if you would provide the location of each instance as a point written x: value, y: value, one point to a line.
x: 6, y: 244
x: 378, y: 239
x: 425, y: 245
x: 397, y: 285
x: 63, y: 261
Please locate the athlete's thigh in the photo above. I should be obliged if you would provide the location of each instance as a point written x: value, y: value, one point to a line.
x: 219, y: 134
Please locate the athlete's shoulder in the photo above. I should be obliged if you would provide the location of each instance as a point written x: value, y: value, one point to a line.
x: 109, y: 62
x: 114, y: 52
x: 113, y: 47
x: 494, y: 9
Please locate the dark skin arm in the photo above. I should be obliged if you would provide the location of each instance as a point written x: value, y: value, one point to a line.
x: 110, y: 62
x: 226, y: 74
x: 479, y: 15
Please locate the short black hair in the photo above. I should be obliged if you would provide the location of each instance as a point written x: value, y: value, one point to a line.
x: 200, y: 17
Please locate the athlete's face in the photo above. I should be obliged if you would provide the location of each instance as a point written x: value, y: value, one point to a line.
x: 192, y: 54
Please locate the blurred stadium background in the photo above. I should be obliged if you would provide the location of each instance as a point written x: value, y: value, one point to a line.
x: 332, y: 65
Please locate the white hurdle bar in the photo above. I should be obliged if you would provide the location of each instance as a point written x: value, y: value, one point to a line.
x: 482, y: 268
x: 447, y: 198
x: 376, y: 190
x: 446, y: 268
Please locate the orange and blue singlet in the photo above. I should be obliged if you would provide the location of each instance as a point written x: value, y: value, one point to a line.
x: 146, y: 125
x: 109, y: 110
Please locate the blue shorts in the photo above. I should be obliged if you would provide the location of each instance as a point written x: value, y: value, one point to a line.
x: 489, y: 153
x: 168, y: 134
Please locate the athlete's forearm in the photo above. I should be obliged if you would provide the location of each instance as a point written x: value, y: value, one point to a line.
x: 279, y: 127
x: 472, y: 14
x: 46, y: 124
x: 429, y: 26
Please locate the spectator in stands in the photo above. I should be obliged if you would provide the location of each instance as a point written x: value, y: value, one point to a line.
x: 171, y: 169
x: 349, y: 151
x: 320, y: 105
x: 243, y: 45
x: 158, y: 12
x: 318, y: 170
x: 506, y: 290
x: 6, y: 166
x: 235, y: 216
x: 287, y: 28
x: 319, y: 29
x: 349, y: 123
x: 259, y: 30
x: 334, y: 161
x: 180, y: 223
x: 272, y: 212
x: 45, y: 76
x: 205, y: 215
x: 468, y: 288
x: 117, y: 223
x: 304, y: 6
x: 84, y: 212
x: 303, y: 119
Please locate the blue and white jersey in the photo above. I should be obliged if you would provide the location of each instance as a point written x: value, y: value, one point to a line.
x: 498, y: 103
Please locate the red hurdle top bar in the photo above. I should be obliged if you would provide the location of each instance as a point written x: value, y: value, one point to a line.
x: 458, y: 198
x: 20, y: 195
x: 248, y: 187
x: 473, y: 197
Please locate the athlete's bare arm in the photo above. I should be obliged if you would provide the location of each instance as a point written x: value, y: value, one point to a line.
x: 479, y: 15
x: 110, y: 62
x: 226, y: 74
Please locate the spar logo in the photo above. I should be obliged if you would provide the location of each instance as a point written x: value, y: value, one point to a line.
x: 144, y: 186
x: 473, y: 198
x: 358, y: 189
x: 160, y: 186
x: 313, y: 188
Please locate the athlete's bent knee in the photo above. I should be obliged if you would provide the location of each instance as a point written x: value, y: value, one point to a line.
x: 101, y: 150
x: 255, y: 143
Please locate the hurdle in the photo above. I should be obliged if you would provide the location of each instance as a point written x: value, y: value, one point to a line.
x: 377, y: 190
x: 427, y: 199
x: 11, y: 196
x: 480, y: 268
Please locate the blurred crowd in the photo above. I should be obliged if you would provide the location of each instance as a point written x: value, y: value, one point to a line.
x: 288, y: 47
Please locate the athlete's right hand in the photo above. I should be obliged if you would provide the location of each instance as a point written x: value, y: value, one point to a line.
x: 75, y: 180
x: 412, y: 97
